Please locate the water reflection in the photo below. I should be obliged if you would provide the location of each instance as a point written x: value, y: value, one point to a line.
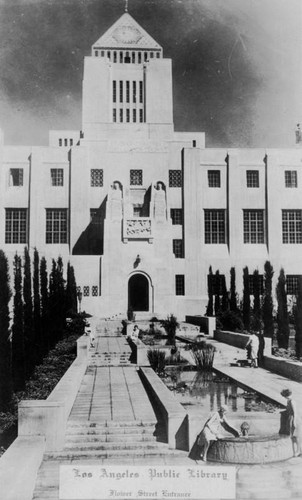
x: 207, y: 391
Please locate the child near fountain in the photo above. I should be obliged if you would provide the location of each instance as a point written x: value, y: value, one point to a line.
x: 212, y: 431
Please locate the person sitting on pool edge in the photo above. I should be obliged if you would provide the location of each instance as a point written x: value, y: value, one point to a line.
x: 212, y: 430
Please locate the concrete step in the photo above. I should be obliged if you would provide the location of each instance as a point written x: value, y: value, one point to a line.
x: 108, y: 438
x: 105, y: 431
x: 77, y: 424
x: 111, y: 445
x: 65, y: 457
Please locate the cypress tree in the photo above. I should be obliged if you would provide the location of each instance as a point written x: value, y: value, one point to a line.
x: 233, y: 294
x: 71, y: 291
x: 246, y: 309
x: 29, y: 336
x: 52, y: 305
x: 37, y: 308
x: 282, y: 313
x: 6, y: 381
x: 267, y: 309
x: 298, y: 320
x: 217, y: 294
x: 61, y: 297
x: 257, y: 305
x: 225, y: 298
x: 44, y: 306
x: 209, y: 311
x: 18, y: 347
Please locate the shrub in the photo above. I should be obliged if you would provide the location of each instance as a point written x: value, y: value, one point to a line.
x: 231, y: 320
x: 203, y: 354
x: 157, y: 360
x: 170, y: 325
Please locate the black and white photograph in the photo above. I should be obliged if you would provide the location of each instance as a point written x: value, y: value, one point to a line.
x: 150, y: 249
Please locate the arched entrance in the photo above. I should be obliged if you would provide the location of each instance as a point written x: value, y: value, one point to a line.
x: 138, y: 292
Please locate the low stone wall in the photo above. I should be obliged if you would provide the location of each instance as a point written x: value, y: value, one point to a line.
x: 41, y: 427
x: 239, y: 340
x: 284, y: 367
x: 174, y: 414
x: 207, y: 324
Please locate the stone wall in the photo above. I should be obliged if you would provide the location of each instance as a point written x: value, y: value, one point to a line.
x: 284, y: 367
x: 239, y: 340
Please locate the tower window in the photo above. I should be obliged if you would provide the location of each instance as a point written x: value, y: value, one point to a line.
x: 133, y: 57
x: 291, y: 180
x: 121, y: 116
x: 140, y: 91
x: 146, y: 56
x: 127, y: 91
x: 136, y: 177
x: 134, y: 115
x: 57, y: 176
x: 16, y: 177
x: 15, y: 225
x: 56, y: 225
x: 128, y: 115
x: 96, y: 177
x: 109, y: 54
x: 134, y: 92
x: 252, y: 178
x: 114, y: 91
x: 121, y: 91
x: 65, y: 142
x: 179, y: 284
x: 70, y: 142
x: 96, y: 53
x: 175, y: 178
x: 141, y: 116
x: 139, y: 57
x: 114, y: 57
x: 102, y: 53
x: 114, y: 114
x: 121, y: 57
x: 151, y: 55
x: 60, y: 142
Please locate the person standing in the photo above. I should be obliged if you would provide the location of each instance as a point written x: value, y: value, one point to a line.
x: 253, y: 342
x: 290, y: 422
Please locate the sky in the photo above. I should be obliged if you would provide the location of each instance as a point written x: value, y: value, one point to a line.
x: 237, y: 65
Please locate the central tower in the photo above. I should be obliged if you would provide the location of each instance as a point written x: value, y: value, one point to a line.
x: 127, y: 84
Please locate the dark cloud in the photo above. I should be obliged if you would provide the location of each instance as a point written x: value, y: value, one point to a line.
x: 236, y: 64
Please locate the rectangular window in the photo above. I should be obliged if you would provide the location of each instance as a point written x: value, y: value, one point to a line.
x: 134, y: 115
x: 114, y: 90
x: 121, y: 91
x: 253, y: 226
x: 94, y: 291
x: 56, y: 175
x: 134, y: 92
x: 252, y: 178
x: 141, y: 116
x: 127, y: 91
x: 292, y: 226
x: 114, y: 115
x: 127, y: 115
x: 70, y: 142
x: 15, y: 225
x: 16, y: 177
x: 214, y: 226
x: 65, y: 142
x: 86, y: 291
x: 260, y: 284
x: 175, y: 178
x: 140, y: 91
x: 176, y: 216
x: 137, y: 211
x: 56, y: 225
x: 96, y: 177
x: 121, y: 116
x: 292, y: 282
x: 179, y: 284
x: 214, y: 178
x: 291, y: 180
x: 178, y: 249
x: 136, y: 177
x: 139, y: 58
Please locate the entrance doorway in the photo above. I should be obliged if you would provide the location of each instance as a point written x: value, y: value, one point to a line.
x: 138, y: 293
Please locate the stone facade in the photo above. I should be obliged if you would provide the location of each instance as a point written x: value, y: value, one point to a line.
x: 140, y: 210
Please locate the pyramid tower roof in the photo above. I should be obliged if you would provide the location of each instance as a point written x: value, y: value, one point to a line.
x: 126, y: 33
